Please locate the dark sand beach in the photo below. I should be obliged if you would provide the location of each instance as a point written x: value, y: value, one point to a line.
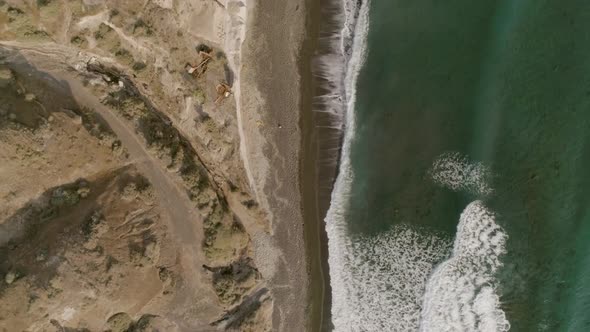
x: 279, y: 47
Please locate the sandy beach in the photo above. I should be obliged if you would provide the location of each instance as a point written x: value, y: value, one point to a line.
x: 272, y: 90
x: 237, y: 240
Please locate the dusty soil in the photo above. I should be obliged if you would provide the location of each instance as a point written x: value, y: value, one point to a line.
x: 125, y: 202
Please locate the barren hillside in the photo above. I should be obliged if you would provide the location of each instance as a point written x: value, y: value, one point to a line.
x: 125, y: 202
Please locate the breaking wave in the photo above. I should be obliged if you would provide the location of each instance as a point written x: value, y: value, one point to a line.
x: 380, y: 284
x: 390, y: 281
x: 377, y: 281
x: 460, y: 295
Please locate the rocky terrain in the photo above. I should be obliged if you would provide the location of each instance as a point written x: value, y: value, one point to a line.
x: 125, y: 202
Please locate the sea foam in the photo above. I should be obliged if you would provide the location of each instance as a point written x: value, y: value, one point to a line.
x: 377, y: 280
x: 381, y: 282
x: 460, y: 295
x: 456, y: 172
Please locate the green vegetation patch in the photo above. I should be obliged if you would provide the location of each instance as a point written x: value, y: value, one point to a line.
x: 139, y: 66
x: 200, y: 96
x: 42, y: 3
x: 141, y: 27
x: 103, y: 31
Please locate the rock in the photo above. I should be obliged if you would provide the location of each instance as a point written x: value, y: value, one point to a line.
x: 12, y: 116
x: 30, y: 97
x: 84, y: 192
x: 41, y: 257
x: 77, y: 120
x: 10, y: 277
x: 6, y: 77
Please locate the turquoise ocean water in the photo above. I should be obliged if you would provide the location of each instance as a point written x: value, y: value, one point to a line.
x: 463, y: 199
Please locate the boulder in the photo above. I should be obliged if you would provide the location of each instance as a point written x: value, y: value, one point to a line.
x: 10, y: 277
x: 6, y: 77
x: 30, y: 97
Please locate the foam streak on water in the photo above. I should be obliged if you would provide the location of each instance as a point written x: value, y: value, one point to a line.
x: 454, y: 171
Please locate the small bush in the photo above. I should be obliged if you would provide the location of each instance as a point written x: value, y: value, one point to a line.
x: 200, y: 97
x: 14, y: 11
x: 102, y: 31
x: 77, y: 40
x: 64, y: 196
x: 203, y: 48
x: 139, y: 66
x: 141, y: 25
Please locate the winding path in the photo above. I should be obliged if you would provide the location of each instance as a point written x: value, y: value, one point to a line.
x: 185, y: 220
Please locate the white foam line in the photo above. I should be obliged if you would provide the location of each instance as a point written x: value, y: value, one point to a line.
x: 335, y: 219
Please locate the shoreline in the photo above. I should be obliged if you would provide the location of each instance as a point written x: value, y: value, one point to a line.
x: 313, y: 195
x: 293, y: 61
x: 354, y: 51
x: 325, y: 65
x: 321, y: 144
x: 336, y: 66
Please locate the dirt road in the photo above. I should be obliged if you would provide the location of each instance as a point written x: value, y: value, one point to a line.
x: 185, y: 221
